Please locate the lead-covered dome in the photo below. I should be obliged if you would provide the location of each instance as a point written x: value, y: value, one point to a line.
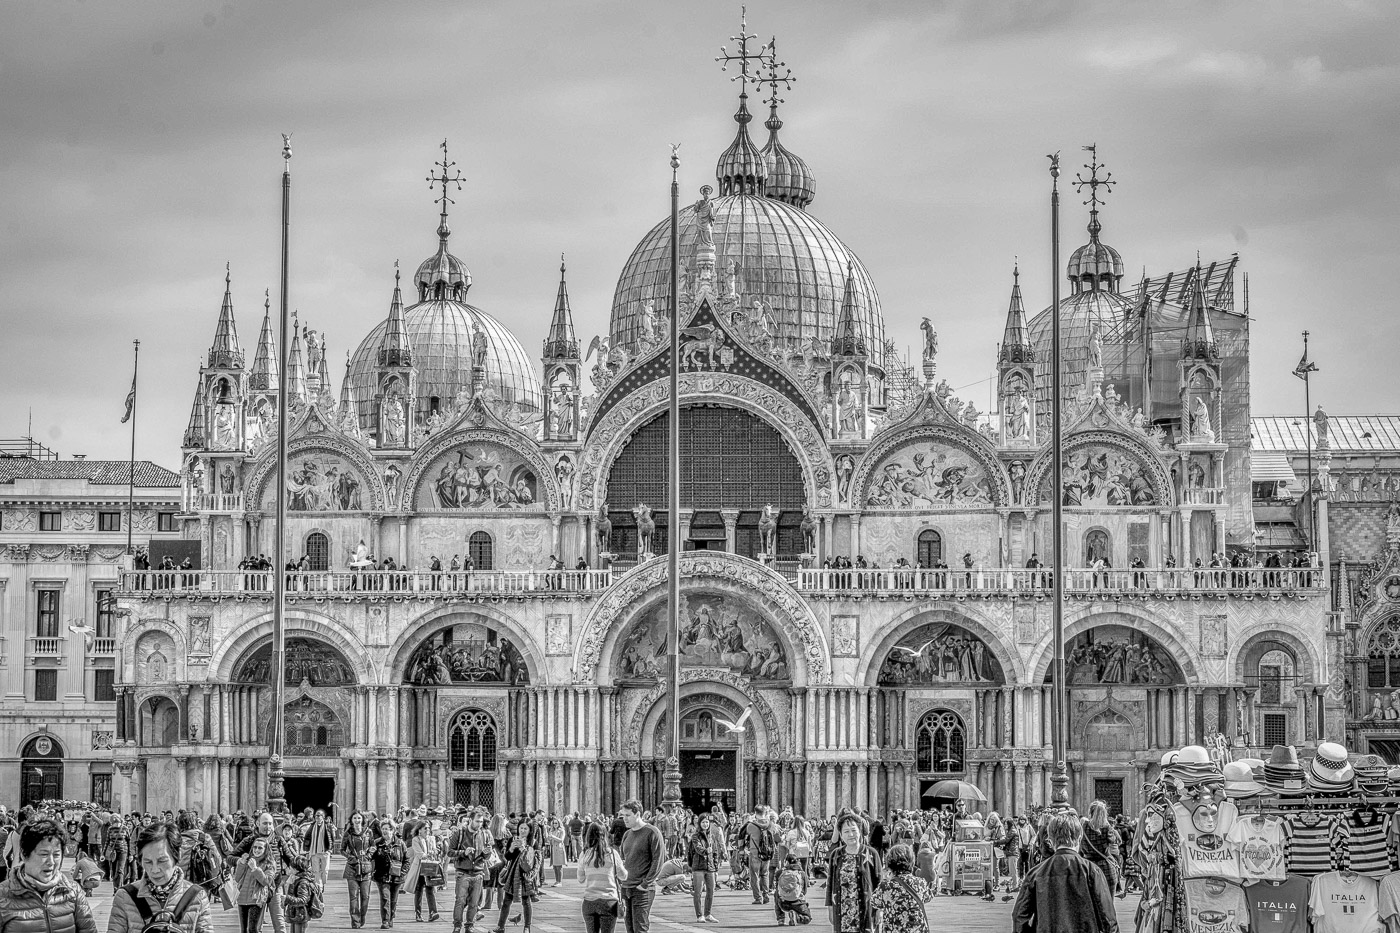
x: 787, y: 259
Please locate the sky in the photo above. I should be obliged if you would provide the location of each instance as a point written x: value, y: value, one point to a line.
x: 141, y: 152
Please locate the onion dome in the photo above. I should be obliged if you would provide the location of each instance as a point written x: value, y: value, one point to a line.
x: 789, y: 178
x: 224, y: 352
x: 265, y: 361
x: 443, y: 275
x: 742, y: 168
x: 1095, y: 265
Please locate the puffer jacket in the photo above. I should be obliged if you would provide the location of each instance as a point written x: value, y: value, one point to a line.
x: 126, y: 917
x: 61, y: 909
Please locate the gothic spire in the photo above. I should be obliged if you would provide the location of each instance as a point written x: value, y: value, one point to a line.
x: 194, y: 431
x: 224, y: 353
x: 394, y: 348
x: 1200, y: 338
x: 264, y: 377
x: 323, y: 371
x: 561, y: 344
x: 346, y: 404
x: 1016, y: 346
x: 849, y: 340
x: 296, y: 367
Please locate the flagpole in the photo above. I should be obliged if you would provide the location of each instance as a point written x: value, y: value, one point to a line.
x: 1307, y: 431
x: 1059, y: 777
x: 671, y: 777
x: 131, y: 462
x: 276, y: 787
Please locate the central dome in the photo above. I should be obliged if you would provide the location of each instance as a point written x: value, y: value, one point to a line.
x: 440, y: 333
x: 787, y: 259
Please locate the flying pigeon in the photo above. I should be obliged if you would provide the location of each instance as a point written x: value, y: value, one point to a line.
x: 912, y: 652
x: 736, y: 727
x: 86, y: 631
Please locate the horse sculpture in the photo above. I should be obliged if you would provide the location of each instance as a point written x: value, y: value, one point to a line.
x: 604, y: 529
x: 646, y: 528
x: 809, y: 531
x: 768, y: 529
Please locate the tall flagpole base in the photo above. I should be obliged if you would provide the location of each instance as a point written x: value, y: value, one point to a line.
x: 671, y: 784
x: 276, y: 786
x: 1059, y: 788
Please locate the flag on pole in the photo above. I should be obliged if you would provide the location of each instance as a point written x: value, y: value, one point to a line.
x: 1304, y: 367
x: 130, y: 401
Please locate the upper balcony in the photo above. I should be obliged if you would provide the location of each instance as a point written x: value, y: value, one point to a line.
x: 369, y: 584
x: 1081, y: 583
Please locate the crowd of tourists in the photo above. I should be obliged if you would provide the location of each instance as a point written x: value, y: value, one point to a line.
x: 171, y: 871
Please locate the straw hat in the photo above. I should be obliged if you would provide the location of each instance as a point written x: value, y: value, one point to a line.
x: 1330, y: 771
x: 1239, y: 781
x: 1282, y: 773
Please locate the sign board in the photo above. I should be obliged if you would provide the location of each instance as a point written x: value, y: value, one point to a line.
x: 972, y: 865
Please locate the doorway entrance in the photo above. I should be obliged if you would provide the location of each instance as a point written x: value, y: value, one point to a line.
x: 469, y: 792
x: 708, y: 778
x: 41, y: 769
x: 1110, y: 791
x: 318, y: 793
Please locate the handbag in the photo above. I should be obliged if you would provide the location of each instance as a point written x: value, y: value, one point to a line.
x: 430, y: 870
x: 228, y: 894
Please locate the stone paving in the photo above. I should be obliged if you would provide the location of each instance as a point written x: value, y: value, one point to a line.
x: 558, y: 911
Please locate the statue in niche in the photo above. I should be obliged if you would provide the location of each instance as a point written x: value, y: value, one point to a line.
x: 395, y: 423
x: 225, y: 427
x: 1392, y: 712
x: 1377, y: 710
x: 564, y: 473
x: 1200, y: 421
x: 1018, y: 415
x: 1017, y: 472
x: 562, y: 409
x: 734, y: 269
x: 392, y: 475
x: 157, y: 668
x: 226, y: 480
x: 1392, y: 524
x: 845, y: 468
x: 1196, y: 475
x: 809, y: 531
x: 847, y: 409
x: 604, y: 529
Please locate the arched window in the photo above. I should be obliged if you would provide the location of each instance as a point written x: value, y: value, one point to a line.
x: 941, y: 743
x: 481, y: 551
x: 471, y: 744
x: 1097, y: 545
x: 1383, y: 653
x: 318, y: 551
x: 930, y: 548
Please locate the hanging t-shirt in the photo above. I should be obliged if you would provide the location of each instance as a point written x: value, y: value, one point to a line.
x: 1345, y: 902
x: 1215, y: 906
x: 1260, y: 842
x: 1312, y: 838
x: 1390, y: 897
x: 1204, y: 851
x: 1366, y: 835
x: 1278, y: 906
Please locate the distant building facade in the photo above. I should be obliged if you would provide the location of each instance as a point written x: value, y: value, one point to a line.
x: 63, y: 535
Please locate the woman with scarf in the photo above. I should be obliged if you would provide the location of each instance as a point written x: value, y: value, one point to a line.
x: 163, y: 887
x: 355, y: 845
x: 519, y: 875
x: 36, y: 897
x: 703, y: 854
x: 390, y: 858
x: 852, y: 873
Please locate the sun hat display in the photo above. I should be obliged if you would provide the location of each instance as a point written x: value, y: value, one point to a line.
x: 1239, y: 781
x: 1282, y: 773
x: 1330, y: 771
x: 1372, y: 775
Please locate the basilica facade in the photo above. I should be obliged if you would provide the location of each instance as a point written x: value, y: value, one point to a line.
x: 478, y: 614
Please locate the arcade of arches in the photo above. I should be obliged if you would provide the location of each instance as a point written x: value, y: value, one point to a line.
x: 470, y: 721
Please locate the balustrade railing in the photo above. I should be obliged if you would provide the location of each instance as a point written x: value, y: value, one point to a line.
x: 219, y: 502
x: 350, y: 583
x: 45, y: 647
x: 104, y: 646
x: 1078, y: 581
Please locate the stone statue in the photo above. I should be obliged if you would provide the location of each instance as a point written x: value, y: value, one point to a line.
x: 225, y: 427
x: 1392, y: 711
x: 847, y: 411
x: 1018, y: 416
x: 604, y: 529
x: 1095, y: 348
x: 1200, y: 421
x: 809, y: 531
x: 1377, y: 711
x: 845, y: 467
x: 481, y: 346
x: 226, y: 480
x: 646, y: 527
x: 734, y: 279
x: 1017, y: 471
x: 564, y: 473
x: 768, y: 529
x: 395, y: 423
x: 392, y: 475
x: 1137, y: 418
x: 1196, y: 475
x: 1320, y: 428
x: 930, y: 340
x: 562, y: 409
x: 705, y: 218
x: 1392, y: 525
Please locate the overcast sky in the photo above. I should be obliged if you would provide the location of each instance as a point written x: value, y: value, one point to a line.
x: 140, y: 152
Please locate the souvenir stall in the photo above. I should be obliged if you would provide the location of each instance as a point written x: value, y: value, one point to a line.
x: 1269, y: 846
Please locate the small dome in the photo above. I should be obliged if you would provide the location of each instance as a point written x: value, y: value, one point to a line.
x: 789, y: 178
x: 1081, y: 313
x: 1095, y: 265
x: 442, y: 276
x: 742, y: 168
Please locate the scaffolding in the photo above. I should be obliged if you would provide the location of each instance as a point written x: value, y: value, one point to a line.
x: 25, y: 448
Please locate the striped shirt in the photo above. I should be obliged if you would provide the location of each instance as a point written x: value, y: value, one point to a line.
x: 1366, y: 842
x: 1312, y: 839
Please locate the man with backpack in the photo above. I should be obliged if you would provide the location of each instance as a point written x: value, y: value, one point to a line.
x: 761, y: 842
x: 199, y: 857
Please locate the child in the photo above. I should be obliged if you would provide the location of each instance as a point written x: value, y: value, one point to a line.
x: 301, y: 890
x: 86, y: 874
x: 790, y: 898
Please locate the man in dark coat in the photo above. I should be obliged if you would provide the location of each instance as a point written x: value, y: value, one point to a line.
x: 1066, y: 893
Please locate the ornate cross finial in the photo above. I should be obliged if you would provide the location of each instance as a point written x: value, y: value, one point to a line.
x: 445, y: 179
x: 773, y: 78
x: 1094, y: 182
x: 744, y: 56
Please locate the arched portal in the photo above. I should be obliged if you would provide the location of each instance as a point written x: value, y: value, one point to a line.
x: 41, y: 770
x: 160, y: 722
x: 1117, y: 654
x: 471, y: 758
x: 730, y: 460
x: 466, y: 650
x: 308, y: 660
x: 939, y: 653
